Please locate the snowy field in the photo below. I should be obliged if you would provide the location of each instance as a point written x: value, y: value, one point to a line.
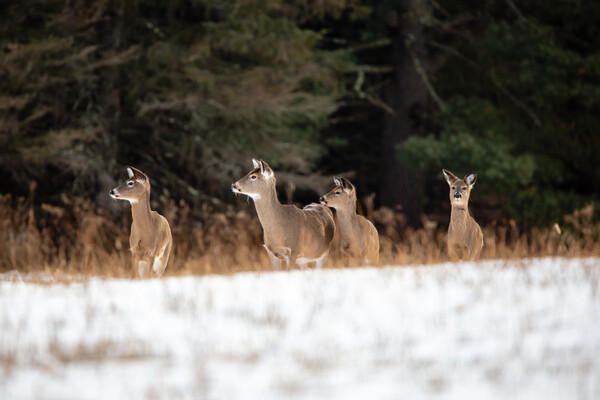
x: 487, y: 330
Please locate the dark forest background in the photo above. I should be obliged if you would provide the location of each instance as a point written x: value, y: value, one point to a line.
x: 384, y: 92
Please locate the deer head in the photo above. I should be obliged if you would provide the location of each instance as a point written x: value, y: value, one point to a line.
x: 343, y: 196
x: 132, y: 189
x: 259, y: 182
x: 460, y: 189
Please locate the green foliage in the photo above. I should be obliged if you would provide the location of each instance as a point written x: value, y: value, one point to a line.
x: 521, y: 108
x: 473, y: 138
x: 188, y: 91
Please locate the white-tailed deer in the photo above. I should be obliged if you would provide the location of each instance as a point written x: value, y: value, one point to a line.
x: 291, y: 235
x: 150, y: 238
x: 465, y: 239
x: 356, y: 235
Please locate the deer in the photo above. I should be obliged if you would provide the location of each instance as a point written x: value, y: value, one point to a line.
x: 355, y: 235
x: 150, y: 239
x: 291, y: 235
x: 465, y: 238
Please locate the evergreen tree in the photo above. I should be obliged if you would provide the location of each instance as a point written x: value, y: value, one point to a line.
x: 187, y: 91
x: 522, y: 98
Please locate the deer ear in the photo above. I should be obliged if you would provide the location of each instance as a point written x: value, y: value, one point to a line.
x: 470, y: 179
x: 265, y: 170
x: 337, y: 181
x: 450, y: 177
x: 256, y: 163
x: 138, y: 175
x: 347, y: 186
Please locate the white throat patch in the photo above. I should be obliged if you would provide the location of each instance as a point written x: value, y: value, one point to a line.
x: 253, y: 196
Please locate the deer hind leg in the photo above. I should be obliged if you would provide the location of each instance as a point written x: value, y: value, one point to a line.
x: 302, y: 263
x: 319, y: 262
x: 161, y: 259
x: 159, y: 265
x: 277, y: 263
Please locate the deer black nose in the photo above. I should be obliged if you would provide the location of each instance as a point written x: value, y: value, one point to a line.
x: 112, y: 192
x: 321, y: 199
x: 233, y: 185
x: 457, y: 195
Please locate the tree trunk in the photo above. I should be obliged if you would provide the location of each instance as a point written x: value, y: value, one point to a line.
x: 400, y: 184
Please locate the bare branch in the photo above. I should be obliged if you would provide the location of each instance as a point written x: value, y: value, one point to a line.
x: 494, y: 79
x: 455, y: 53
x: 421, y: 71
x: 376, y: 101
x: 370, y: 45
x: 516, y: 10
x: 373, y: 69
x: 114, y: 59
x: 516, y: 101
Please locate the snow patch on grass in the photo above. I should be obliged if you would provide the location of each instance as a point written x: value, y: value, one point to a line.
x: 494, y: 329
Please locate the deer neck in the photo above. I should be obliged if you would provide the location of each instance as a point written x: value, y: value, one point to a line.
x: 459, y: 216
x: 140, y: 211
x: 348, y: 221
x: 268, y: 208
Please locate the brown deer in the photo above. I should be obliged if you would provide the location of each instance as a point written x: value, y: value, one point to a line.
x: 356, y: 236
x: 150, y: 238
x: 291, y: 235
x: 465, y: 239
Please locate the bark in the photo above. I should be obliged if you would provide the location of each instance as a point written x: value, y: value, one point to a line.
x: 399, y: 183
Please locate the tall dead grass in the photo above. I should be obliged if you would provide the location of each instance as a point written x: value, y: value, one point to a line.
x: 75, y: 238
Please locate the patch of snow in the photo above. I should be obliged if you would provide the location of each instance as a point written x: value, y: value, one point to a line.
x: 494, y: 329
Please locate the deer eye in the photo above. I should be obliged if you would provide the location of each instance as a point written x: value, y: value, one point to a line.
x: 338, y: 193
x: 130, y: 183
x: 453, y: 187
x: 464, y: 188
x: 253, y: 177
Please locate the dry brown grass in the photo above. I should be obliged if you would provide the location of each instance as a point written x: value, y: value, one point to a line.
x: 77, y: 240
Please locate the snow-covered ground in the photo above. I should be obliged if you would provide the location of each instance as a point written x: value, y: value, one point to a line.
x: 486, y: 330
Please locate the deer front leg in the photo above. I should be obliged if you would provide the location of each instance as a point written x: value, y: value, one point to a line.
x: 476, y: 251
x: 143, y: 267
x: 279, y: 255
x: 140, y: 265
x: 135, y: 260
x: 477, y: 246
x: 453, y: 252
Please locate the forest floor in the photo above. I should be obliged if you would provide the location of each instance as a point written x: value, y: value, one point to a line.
x: 496, y: 329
